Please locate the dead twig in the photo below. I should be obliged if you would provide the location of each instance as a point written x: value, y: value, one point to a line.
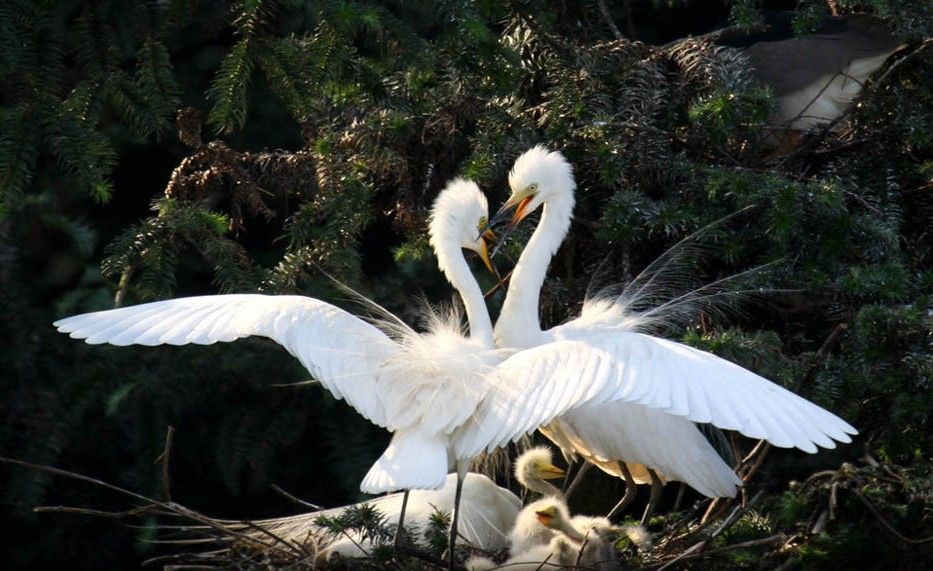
x: 166, y: 457
x: 498, y: 285
x: 874, y: 511
x: 297, y: 500
x: 167, y: 506
x: 604, y: 11
x: 695, y: 553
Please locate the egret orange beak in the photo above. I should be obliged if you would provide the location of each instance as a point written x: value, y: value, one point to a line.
x: 551, y: 472
x: 488, y: 234
x: 521, y: 211
x: 519, y: 205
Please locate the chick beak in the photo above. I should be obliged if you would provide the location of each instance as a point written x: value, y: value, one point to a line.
x: 544, y: 518
x: 483, y: 252
x: 550, y: 472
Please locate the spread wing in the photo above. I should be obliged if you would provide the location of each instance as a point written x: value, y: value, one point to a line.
x: 535, y: 386
x: 340, y: 350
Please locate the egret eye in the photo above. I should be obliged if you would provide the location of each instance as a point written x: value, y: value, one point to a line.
x: 533, y: 188
x: 481, y: 224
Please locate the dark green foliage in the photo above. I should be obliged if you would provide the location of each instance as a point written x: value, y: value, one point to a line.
x: 332, y: 126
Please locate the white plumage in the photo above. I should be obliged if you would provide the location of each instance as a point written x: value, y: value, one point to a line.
x: 613, y: 394
x: 487, y: 513
x: 422, y: 387
x: 545, y: 532
x: 448, y: 397
x: 528, y: 532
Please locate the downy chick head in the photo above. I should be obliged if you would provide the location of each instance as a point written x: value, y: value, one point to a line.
x: 536, y: 464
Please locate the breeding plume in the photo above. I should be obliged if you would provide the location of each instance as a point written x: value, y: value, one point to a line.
x: 610, y: 393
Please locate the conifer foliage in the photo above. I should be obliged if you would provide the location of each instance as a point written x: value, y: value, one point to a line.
x: 306, y: 140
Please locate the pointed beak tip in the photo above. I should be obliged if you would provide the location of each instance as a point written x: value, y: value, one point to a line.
x: 484, y: 255
x: 553, y: 472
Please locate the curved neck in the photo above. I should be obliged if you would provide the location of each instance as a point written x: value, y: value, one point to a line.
x: 567, y: 529
x: 519, y: 324
x: 543, y: 487
x: 452, y: 262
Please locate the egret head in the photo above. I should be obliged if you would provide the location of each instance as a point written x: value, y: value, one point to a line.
x: 536, y: 464
x: 459, y: 219
x: 538, y: 176
x: 553, y: 515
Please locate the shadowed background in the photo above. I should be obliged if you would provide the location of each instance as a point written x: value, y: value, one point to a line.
x: 279, y: 139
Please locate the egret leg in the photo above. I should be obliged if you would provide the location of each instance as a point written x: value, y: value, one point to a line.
x: 631, y: 488
x: 680, y: 496
x: 656, y: 486
x: 577, y: 478
x: 400, y: 531
x: 452, y: 540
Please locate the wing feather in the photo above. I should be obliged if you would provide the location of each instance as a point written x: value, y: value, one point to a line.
x: 339, y: 349
x: 532, y: 387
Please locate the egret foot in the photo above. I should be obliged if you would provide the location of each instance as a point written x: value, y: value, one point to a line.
x: 656, y: 486
x: 631, y: 488
x: 400, y: 530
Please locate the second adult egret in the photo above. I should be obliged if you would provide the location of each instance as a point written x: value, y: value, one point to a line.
x: 618, y: 395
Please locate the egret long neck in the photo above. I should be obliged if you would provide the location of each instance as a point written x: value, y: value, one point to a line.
x: 543, y: 487
x: 567, y: 529
x: 519, y: 324
x: 454, y: 265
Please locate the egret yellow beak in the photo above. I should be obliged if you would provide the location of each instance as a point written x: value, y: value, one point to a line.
x: 484, y: 253
x: 551, y: 472
x: 488, y: 234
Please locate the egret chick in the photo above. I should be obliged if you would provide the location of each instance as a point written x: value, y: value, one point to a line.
x: 535, y: 467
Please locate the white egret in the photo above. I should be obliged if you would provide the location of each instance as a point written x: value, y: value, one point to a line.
x: 488, y: 511
x: 535, y: 467
x: 620, y: 397
x: 422, y: 387
x: 587, y: 540
x: 487, y: 514
x: 532, y: 470
x: 545, y: 532
x: 529, y: 534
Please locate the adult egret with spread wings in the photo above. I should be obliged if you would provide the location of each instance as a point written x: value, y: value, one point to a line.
x: 422, y: 387
x: 622, y: 399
